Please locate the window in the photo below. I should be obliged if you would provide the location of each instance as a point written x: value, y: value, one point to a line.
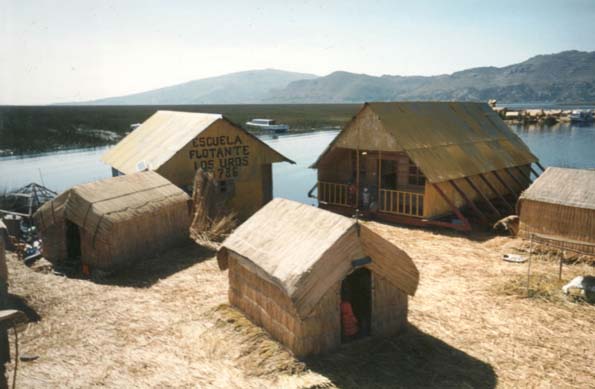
x: 416, y: 177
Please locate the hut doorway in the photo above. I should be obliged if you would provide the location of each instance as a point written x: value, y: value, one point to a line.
x: 73, y: 242
x: 356, y: 293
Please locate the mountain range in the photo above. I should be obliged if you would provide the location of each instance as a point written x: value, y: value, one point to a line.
x: 566, y: 77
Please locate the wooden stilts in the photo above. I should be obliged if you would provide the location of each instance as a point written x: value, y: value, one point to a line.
x: 533, y: 171
x: 502, y: 198
x: 527, y: 177
x: 483, y: 196
x: 470, y: 203
x: 466, y: 224
x: 379, y: 176
x: 516, y: 180
x: 541, y: 167
x: 505, y: 184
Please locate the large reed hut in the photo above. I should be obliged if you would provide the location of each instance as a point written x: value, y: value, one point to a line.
x: 560, y: 204
x: 177, y: 144
x: 112, y: 222
x: 421, y: 162
x: 290, y: 263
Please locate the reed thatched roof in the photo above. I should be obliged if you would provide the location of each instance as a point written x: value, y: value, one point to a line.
x: 98, y: 205
x: 305, y: 250
x: 163, y: 135
x: 562, y: 186
x: 446, y: 140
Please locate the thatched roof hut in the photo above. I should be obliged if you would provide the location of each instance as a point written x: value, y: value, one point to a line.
x: 289, y: 262
x: 561, y: 204
x: 109, y: 223
x: 422, y: 162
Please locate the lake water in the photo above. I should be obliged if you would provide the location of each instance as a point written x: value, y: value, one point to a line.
x: 560, y: 145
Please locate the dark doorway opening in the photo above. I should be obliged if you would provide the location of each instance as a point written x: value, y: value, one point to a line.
x: 73, y: 243
x: 356, y: 297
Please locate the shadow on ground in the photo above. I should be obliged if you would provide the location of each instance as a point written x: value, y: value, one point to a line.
x: 19, y: 303
x: 413, y: 359
x: 146, y: 272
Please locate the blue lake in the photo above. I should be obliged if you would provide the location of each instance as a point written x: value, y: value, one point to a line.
x: 560, y: 145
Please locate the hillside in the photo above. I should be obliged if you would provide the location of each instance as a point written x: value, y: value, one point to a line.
x: 235, y: 88
x: 566, y: 77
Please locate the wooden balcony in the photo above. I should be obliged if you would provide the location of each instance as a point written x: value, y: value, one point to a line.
x: 333, y: 193
x: 401, y: 202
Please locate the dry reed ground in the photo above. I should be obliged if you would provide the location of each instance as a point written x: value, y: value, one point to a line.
x: 168, y: 326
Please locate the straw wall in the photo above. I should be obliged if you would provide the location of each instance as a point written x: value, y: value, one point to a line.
x: 559, y: 220
x: 435, y: 205
x: 389, y: 307
x: 268, y: 306
x: 137, y: 237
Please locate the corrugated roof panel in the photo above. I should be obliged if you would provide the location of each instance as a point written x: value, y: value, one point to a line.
x: 428, y: 130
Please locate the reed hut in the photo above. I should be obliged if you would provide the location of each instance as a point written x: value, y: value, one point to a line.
x: 423, y: 162
x: 110, y: 223
x: 561, y: 204
x: 177, y: 144
x: 289, y: 263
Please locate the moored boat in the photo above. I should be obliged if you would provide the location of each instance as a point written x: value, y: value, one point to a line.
x: 268, y: 124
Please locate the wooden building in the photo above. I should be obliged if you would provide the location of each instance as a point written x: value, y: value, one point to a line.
x: 422, y: 162
x: 560, y: 204
x: 112, y: 222
x: 289, y: 263
x: 176, y: 144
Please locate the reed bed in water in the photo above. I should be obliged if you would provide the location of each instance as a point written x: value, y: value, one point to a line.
x: 167, y: 323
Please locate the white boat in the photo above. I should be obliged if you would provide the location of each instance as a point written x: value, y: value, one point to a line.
x: 268, y: 124
x: 581, y: 116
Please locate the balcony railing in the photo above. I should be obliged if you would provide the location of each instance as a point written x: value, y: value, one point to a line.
x: 333, y: 193
x: 401, y: 202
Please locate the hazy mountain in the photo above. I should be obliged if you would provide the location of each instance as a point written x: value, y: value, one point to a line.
x: 564, y: 77
x: 235, y: 88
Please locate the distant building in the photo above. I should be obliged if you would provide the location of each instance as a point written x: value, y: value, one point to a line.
x: 291, y: 266
x: 177, y: 144
x: 561, y: 204
x: 422, y: 162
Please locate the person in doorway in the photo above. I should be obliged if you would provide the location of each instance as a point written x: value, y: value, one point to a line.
x: 349, y: 322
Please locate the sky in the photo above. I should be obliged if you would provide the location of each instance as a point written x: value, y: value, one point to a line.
x: 63, y: 50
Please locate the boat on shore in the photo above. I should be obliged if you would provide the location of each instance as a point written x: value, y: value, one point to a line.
x: 581, y: 116
x: 268, y: 125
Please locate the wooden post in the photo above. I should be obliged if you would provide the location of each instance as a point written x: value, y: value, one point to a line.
x: 466, y: 224
x: 469, y: 202
x: 379, y: 177
x: 489, y: 184
x: 529, y: 265
x: 483, y: 196
x: 357, y: 178
x: 505, y: 184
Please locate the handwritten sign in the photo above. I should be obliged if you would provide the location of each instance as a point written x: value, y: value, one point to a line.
x: 222, y: 155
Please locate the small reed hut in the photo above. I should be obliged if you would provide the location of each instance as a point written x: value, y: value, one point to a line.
x: 561, y: 204
x: 177, y: 144
x: 290, y: 263
x: 422, y: 162
x: 112, y: 222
